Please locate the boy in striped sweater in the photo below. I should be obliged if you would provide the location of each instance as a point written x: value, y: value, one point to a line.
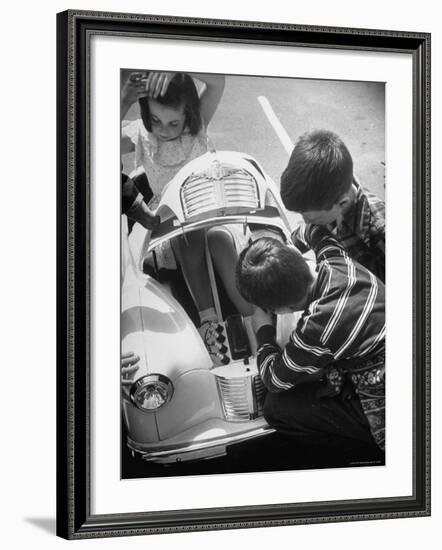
x: 329, y: 380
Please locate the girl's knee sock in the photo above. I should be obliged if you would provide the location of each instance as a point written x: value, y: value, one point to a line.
x: 208, y: 314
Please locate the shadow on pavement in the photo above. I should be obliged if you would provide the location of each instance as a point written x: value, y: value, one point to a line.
x: 269, y: 453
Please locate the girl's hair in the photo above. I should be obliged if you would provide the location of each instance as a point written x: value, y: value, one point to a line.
x: 319, y: 172
x: 270, y: 274
x: 181, y: 91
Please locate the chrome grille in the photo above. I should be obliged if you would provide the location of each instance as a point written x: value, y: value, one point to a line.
x: 198, y: 196
x: 259, y: 391
x: 241, y: 190
x: 241, y: 391
x: 219, y: 188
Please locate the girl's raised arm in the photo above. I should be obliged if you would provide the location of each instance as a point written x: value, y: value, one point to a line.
x: 132, y: 89
x: 212, y: 94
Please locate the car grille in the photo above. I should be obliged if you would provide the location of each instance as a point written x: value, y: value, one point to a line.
x: 220, y: 188
x: 242, y: 393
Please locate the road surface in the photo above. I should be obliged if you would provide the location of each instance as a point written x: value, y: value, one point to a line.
x: 264, y: 116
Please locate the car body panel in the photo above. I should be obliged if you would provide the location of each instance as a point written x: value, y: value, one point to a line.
x: 186, y: 408
x: 202, y: 418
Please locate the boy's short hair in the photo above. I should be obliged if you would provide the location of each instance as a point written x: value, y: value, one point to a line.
x: 181, y: 91
x: 271, y: 274
x: 319, y: 172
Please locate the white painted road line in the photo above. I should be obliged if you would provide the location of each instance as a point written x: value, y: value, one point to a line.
x: 277, y: 126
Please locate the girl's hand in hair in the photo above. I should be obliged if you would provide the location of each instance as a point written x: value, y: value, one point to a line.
x: 157, y: 83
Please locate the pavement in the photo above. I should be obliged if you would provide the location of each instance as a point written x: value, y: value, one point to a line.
x: 354, y: 110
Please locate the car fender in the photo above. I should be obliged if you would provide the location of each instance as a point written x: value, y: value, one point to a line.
x: 155, y: 327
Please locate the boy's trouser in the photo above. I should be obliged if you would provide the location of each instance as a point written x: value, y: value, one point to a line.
x: 306, y: 413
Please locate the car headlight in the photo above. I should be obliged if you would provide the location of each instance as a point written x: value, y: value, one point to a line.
x: 151, y: 392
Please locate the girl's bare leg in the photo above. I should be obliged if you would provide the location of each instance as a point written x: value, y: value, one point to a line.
x: 191, y: 255
x: 192, y: 259
x: 225, y: 258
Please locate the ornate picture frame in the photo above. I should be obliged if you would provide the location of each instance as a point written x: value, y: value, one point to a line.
x: 76, y: 518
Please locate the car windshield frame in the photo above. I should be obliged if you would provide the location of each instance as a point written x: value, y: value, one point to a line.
x: 267, y: 217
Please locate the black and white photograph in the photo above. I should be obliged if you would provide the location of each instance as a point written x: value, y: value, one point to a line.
x: 253, y: 329
x: 221, y: 272
x: 233, y: 201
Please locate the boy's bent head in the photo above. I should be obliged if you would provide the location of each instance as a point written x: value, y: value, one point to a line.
x: 273, y: 276
x: 317, y: 177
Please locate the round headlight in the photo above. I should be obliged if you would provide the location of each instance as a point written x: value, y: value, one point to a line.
x: 151, y: 392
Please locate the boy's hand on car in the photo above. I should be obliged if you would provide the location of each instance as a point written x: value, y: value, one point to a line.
x: 128, y: 367
x: 260, y: 318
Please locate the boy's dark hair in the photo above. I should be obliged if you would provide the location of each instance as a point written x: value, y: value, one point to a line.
x: 270, y: 274
x: 181, y: 91
x: 319, y: 172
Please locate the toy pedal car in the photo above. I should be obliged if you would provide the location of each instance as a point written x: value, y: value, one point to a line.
x: 180, y: 406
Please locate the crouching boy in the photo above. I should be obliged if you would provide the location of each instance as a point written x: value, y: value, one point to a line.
x: 329, y: 379
x: 319, y: 184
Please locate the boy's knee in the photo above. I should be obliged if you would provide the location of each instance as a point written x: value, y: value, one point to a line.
x: 293, y: 409
x: 278, y: 408
x: 269, y: 409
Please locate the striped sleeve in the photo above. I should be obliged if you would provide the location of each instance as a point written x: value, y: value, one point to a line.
x: 298, y: 362
x: 322, y: 242
x: 317, y: 238
x: 299, y: 240
x: 348, y: 312
x: 345, y: 316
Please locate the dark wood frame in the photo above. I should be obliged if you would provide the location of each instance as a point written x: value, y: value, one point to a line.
x: 74, y: 519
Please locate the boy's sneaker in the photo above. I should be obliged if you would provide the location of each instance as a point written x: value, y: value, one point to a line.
x: 212, y: 334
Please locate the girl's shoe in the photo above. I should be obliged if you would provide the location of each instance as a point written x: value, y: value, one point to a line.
x: 212, y: 334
